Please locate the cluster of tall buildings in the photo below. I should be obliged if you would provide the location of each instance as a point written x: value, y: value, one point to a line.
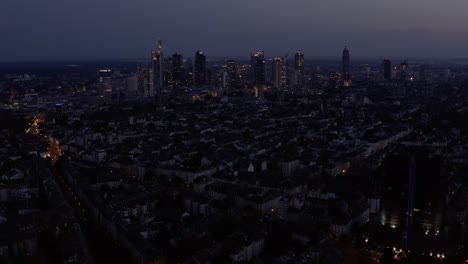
x: 174, y: 71
x: 260, y: 73
x: 170, y: 72
x: 278, y: 74
x: 401, y: 73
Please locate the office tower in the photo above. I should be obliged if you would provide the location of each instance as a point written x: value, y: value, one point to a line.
x: 387, y: 69
x: 156, y: 73
x: 150, y: 88
x: 211, y: 77
x: 219, y: 78
x: 177, y: 69
x: 403, y: 71
x: 257, y: 65
x: 224, y: 80
x: 58, y: 111
x: 200, y: 68
x: 232, y: 76
x: 345, y: 73
x: 168, y: 79
x: 188, y: 72
x: 105, y: 79
x: 143, y: 79
x: 299, y: 69
x: 280, y: 72
x: 269, y: 70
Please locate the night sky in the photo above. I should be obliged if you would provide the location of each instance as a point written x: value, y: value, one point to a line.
x: 37, y: 30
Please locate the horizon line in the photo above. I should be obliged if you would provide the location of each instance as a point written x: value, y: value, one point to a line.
x: 240, y: 58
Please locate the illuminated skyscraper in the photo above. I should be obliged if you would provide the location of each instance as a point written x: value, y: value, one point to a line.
x: 177, y: 69
x: 58, y: 112
x: 143, y: 79
x: 299, y: 69
x: 404, y: 71
x: 200, y: 68
x: 387, y: 69
x: 188, y: 72
x: 280, y: 72
x: 168, y: 80
x: 156, y: 72
x: 105, y: 79
x: 345, y: 73
x: 150, y: 89
x: 232, y: 76
x: 257, y: 67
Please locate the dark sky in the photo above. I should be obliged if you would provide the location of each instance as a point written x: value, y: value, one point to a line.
x: 33, y: 30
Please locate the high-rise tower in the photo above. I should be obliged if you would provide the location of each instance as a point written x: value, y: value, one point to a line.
x: 177, y: 69
x: 156, y: 78
x: 345, y: 73
x: 280, y: 73
x: 404, y: 71
x: 232, y: 76
x: 105, y: 79
x: 257, y: 64
x: 168, y: 80
x: 200, y: 68
x: 299, y: 69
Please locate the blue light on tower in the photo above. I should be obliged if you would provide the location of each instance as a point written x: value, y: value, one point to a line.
x: 410, y: 196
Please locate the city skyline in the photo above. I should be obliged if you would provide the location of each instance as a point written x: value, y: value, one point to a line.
x: 322, y: 132
x: 127, y: 30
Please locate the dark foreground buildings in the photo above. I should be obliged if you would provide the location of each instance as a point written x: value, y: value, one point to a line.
x: 317, y: 162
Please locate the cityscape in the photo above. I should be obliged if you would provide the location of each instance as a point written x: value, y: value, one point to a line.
x: 254, y: 158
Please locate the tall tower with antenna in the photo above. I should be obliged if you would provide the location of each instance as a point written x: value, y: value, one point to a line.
x: 345, y: 73
x: 156, y: 78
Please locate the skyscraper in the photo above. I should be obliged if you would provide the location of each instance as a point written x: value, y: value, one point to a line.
x: 149, y: 92
x: 58, y: 112
x: 232, y: 76
x: 257, y: 65
x: 143, y: 79
x: 404, y: 71
x: 280, y: 72
x: 177, y: 69
x: 156, y: 72
x: 200, y: 68
x: 168, y: 79
x: 105, y: 79
x: 299, y: 69
x: 188, y: 72
x: 387, y: 69
x: 345, y: 73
